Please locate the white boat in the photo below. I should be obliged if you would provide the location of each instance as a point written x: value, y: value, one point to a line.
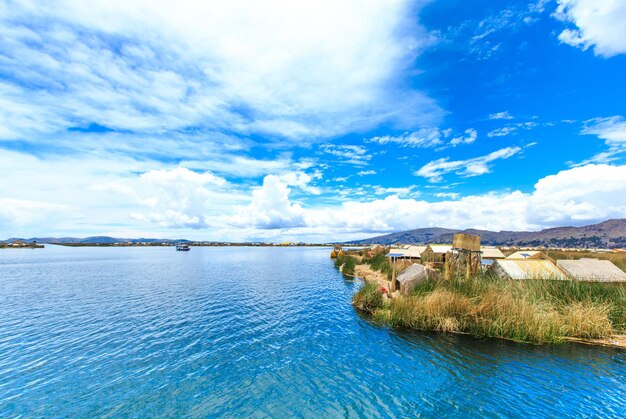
x: 182, y: 248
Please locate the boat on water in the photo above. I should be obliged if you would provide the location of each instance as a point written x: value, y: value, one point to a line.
x: 182, y: 248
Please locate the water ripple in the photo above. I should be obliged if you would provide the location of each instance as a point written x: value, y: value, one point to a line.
x: 256, y: 332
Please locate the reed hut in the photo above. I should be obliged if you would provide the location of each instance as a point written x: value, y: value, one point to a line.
x: 527, y: 269
x: 408, y: 279
x: 436, y: 252
x: 592, y: 270
x: 409, y: 252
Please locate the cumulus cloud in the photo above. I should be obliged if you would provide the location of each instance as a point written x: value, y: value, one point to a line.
x: 270, y: 207
x: 571, y: 197
x: 597, y: 24
x: 434, y: 170
x: 178, y: 197
x: 279, y: 207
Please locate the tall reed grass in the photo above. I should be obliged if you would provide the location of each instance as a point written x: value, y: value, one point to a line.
x: 346, y: 263
x: 538, y: 311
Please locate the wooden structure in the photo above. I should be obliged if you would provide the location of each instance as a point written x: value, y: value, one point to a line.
x: 394, y: 259
x: 465, y: 254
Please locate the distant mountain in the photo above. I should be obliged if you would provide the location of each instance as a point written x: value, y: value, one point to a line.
x: 611, y: 234
x: 92, y: 240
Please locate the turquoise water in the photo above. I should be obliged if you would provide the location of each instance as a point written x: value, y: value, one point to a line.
x: 140, y: 332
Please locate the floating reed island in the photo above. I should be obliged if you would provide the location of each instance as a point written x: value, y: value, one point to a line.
x: 526, y: 296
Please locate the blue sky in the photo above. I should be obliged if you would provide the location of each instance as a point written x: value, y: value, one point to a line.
x: 315, y: 121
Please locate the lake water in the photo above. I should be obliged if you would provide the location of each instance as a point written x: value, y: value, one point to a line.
x: 145, y: 332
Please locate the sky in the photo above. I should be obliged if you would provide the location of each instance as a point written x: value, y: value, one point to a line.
x: 309, y: 121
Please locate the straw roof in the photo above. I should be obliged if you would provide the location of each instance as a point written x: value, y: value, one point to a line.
x: 439, y: 248
x: 527, y: 269
x: 411, y: 276
x: 409, y: 252
x: 527, y: 254
x: 592, y: 270
x: 491, y: 253
x: 413, y: 272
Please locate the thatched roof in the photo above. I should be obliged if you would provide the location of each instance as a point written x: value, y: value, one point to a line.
x: 527, y: 269
x: 592, y: 270
x: 409, y: 251
x: 491, y: 253
x: 527, y: 254
x: 440, y: 249
x: 411, y: 276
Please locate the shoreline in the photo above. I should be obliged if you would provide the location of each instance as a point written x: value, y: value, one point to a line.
x: 379, y: 279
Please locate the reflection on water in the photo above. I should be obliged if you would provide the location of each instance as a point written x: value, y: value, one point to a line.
x: 242, y: 331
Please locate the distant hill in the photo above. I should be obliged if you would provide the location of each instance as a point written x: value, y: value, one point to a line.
x: 608, y: 234
x: 92, y: 240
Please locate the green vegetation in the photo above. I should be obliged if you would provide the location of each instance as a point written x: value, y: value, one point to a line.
x: 338, y: 261
x: 348, y: 263
x: 369, y: 298
x: 538, y: 311
x: 381, y: 263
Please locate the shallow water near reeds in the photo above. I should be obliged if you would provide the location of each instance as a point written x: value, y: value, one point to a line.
x: 239, y: 331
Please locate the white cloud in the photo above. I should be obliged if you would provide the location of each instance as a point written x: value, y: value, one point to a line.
x: 501, y: 115
x: 179, y: 197
x: 451, y: 195
x: 157, y: 200
x: 283, y: 68
x: 613, y: 131
x: 476, y: 166
x: 366, y: 172
x: 502, y: 132
x: 511, y: 129
x: 242, y: 166
x: 598, y: 24
x: 407, y: 191
x: 423, y: 138
x: 17, y: 213
x: 571, y: 197
x: 350, y: 154
x: 270, y: 207
x: 470, y: 136
x: 592, y: 192
x: 427, y: 138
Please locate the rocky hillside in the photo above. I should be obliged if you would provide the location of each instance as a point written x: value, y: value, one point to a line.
x: 611, y: 234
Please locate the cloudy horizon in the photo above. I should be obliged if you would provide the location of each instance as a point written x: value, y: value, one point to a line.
x: 309, y: 121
